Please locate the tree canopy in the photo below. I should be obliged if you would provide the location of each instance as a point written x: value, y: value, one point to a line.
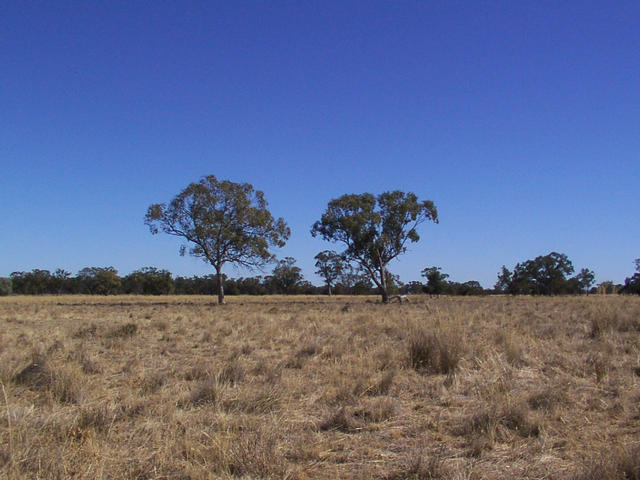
x: 436, y: 280
x: 286, y: 276
x: 100, y: 280
x: 544, y: 275
x: 374, y: 230
x: 148, y: 281
x: 632, y: 284
x: 330, y: 266
x: 222, y: 222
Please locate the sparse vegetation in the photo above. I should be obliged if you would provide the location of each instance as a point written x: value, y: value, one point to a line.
x: 123, y: 331
x: 434, y: 352
x: 302, y: 388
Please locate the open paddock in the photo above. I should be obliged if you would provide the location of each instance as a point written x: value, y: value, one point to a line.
x: 319, y: 387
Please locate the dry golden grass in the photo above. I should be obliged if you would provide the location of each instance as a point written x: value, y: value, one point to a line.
x: 317, y: 387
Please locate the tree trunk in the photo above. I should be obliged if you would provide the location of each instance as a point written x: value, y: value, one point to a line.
x: 383, y: 285
x: 220, y: 286
x: 329, y: 288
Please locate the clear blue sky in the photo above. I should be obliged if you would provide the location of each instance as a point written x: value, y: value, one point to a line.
x: 520, y: 120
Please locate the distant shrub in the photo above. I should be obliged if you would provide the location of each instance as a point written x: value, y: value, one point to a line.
x: 5, y: 287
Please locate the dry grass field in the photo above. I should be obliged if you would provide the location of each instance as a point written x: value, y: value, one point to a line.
x: 317, y: 387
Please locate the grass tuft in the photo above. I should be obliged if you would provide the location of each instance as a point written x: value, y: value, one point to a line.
x: 123, y: 331
x: 620, y: 463
x: 339, y: 420
x: 206, y: 392
x: 417, y: 467
x: 435, y: 353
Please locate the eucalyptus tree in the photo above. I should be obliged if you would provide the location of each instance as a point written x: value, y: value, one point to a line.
x: 436, y: 280
x: 544, y: 275
x: 222, y: 222
x: 99, y: 280
x: 374, y: 230
x: 286, y: 276
x: 330, y: 266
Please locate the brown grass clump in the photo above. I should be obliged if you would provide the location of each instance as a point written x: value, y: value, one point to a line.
x: 513, y: 349
x: 436, y: 353
x: 490, y: 425
x: 620, y: 463
x: 548, y: 399
x: 60, y: 383
x: 302, y: 388
x: 417, y: 467
x: 383, y: 385
x: 206, y: 392
x: 231, y: 373
x: 255, y: 455
x: 123, y: 331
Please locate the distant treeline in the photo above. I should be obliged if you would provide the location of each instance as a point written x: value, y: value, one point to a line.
x: 153, y: 281
x: 544, y: 275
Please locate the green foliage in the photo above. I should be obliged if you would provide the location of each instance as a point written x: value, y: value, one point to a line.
x: 545, y: 275
x: 632, y: 284
x: 413, y: 287
x: 148, y: 281
x: 36, y: 282
x: 5, y: 287
x: 582, y: 282
x: 436, y: 281
x: 353, y: 281
x: 222, y: 222
x: 330, y: 266
x: 100, y: 280
x: 472, y: 287
x: 286, y: 277
x: 39, y: 282
x: 374, y: 230
x: 504, y: 281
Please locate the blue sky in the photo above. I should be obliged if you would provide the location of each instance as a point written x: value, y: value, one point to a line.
x: 520, y: 120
